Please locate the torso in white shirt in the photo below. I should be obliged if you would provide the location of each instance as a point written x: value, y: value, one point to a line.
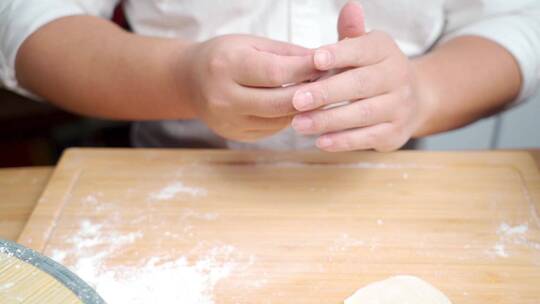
x: 416, y: 26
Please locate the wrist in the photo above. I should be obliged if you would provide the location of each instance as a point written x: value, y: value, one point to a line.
x: 178, y: 71
x: 427, y: 96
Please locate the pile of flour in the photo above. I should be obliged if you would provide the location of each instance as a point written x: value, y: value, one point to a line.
x: 161, y: 279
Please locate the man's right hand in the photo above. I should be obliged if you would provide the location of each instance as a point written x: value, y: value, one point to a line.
x: 236, y: 84
x: 233, y: 83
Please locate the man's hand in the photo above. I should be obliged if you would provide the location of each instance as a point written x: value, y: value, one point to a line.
x: 235, y: 83
x: 376, y: 77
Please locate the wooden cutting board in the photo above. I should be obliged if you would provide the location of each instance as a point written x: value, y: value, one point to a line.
x: 195, y: 226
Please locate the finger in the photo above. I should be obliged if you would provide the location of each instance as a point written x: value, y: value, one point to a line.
x: 360, y: 113
x: 248, y: 136
x: 263, y: 69
x: 265, y: 102
x: 255, y: 128
x: 351, y: 20
x: 382, y: 137
x: 262, y: 124
x: 252, y: 136
x: 352, y: 84
x: 367, y: 49
x: 250, y: 128
x: 280, y: 48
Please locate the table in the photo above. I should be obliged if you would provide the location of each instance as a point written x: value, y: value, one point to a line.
x: 20, y: 188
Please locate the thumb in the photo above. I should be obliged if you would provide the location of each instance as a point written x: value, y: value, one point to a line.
x: 351, y: 21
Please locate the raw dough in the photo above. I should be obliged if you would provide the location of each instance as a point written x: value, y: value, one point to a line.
x: 399, y: 289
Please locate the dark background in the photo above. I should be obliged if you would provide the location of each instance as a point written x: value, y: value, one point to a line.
x: 35, y: 133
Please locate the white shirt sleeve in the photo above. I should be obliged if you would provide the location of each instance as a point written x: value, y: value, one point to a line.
x: 515, y: 25
x: 20, y: 18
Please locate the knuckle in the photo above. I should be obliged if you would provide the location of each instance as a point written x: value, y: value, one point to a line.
x: 405, y: 93
x: 402, y: 71
x: 365, y: 112
x: 321, y: 121
x: 216, y: 64
x: 361, y: 84
x: 351, y: 51
x: 320, y: 93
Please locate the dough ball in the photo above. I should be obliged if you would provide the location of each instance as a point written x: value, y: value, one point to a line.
x: 398, y: 290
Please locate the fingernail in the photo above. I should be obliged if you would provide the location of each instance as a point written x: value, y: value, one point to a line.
x: 324, y: 142
x: 302, y: 123
x: 303, y: 101
x: 322, y: 59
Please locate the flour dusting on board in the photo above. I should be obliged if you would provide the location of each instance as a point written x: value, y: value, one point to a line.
x: 507, y: 230
x: 174, y: 188
x: 345, y: 242
x: 158, y: 279
x: 511, y: 235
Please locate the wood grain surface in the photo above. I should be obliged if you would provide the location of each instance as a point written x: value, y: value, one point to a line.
x: 11, y: 226
x: 311, y: 227
x: 20, y: 189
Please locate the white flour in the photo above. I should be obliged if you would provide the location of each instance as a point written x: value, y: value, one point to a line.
x: 92, y: 252
x: 345, y: 242
x: 158, y: 281
x: 507, y: 230
x: 511, y: 235
x: 500, y: 250
x: 174, y: 188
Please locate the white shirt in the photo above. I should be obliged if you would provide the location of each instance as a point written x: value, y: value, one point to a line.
x: 416, y: 25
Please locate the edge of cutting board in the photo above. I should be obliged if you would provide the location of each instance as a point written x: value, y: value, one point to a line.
x: 66, y: 178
